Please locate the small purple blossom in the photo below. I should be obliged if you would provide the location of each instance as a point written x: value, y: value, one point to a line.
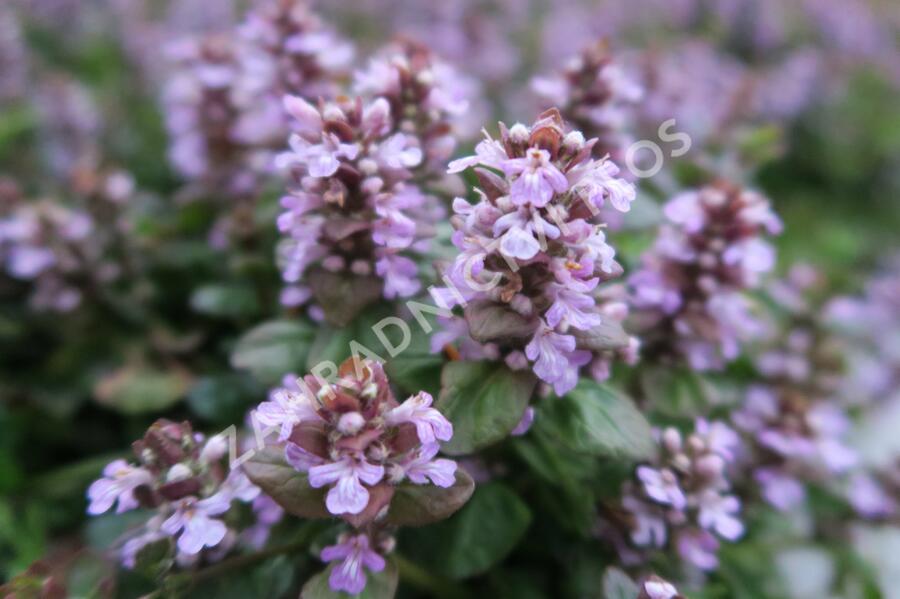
x: 422, y: 467
x: 119, y: 481
x: 355, y: 556
x: 430, y: 424
x: 196, y: 522
x: 348, y: 495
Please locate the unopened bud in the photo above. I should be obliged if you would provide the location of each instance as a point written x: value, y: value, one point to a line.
x: 368, y: 166
x: 214, y: 449
x: 178, y: 472
x: 573, y: 141
x: 671, y: 440
x: 519, y: 134
x: 710, y: 466
x: 372, y: 185
x: 351, y: 423
x: 361, y: 268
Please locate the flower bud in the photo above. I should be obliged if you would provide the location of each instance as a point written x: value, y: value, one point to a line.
x: 519, y: 134
x: 178, y: 472
x: 671, y: 439
x: 710, y: 466
x: 351, y: 423
x: 215, y: 449
x: 573, y: 141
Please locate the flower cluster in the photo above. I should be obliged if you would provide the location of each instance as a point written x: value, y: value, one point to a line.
x: 594, y: 95
x: 222, y: 100
x: 797, y: 437
x: 427, y: 95
x: 870, y: 324
x: 53, y: 247
x: 353, y: 213
x: 184, y: 478
x: 306, y: 57
x: 532, y: 253
x: 354, y: 438
x: 207, y: 103
x: 683, y: 497
x: 795, y: 424
x: 688, y: 292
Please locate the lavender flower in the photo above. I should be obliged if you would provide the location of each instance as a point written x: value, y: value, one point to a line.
x: 689, y: 291
x: 594, y: 95
x: 355, y: 556
x: 683, y: 497
x: 354, y: 213
x: 181, y: 476
x: 55, y: 248
x: 531, y: 249
x: 352, y: 436
x: 657, y: 588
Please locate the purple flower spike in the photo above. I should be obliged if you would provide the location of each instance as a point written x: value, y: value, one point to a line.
x: 593, y: 93
x: 185, y: 480
x: 689, y: 291
x: 354, y: 211
x: 359, y: 438
x: 533, y: 248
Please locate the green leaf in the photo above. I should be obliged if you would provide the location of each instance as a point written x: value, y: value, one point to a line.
x: 343, y: 296
x: 676, y: 392
x: 333, y: 344
x: 484, y: 401
x: 593, y: 419
x: 272, y: 578
x: 222, y: 398
x: 225, y: 300
x: 418, y: 505
x: 416, y: 368
x: 288, y: 487
x: 480, y: 536
x: 138, y: 389
x: 380, y: 585
x: 489, y: 321
x: 608, y: 335
x: 273, y: 349
x: 618, y: 585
